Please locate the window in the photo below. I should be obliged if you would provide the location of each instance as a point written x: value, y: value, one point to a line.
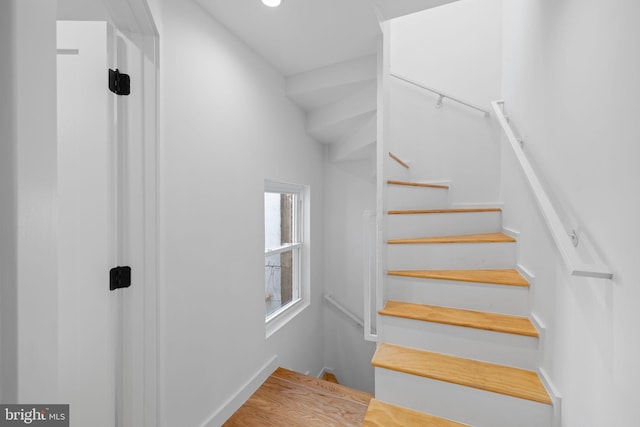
x: 283, y: 247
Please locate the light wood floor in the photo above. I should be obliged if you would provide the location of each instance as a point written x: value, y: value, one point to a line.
x: 290, y: 399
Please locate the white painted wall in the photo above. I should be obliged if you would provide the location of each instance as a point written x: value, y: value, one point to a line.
x: 226, y: 126
x: 31, y: 337
x: 456, y: 49
x: 572, y: 91
x: 8, y: 209
x: 349, y: 191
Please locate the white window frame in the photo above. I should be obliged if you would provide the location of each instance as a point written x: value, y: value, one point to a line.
x: 301, y: 288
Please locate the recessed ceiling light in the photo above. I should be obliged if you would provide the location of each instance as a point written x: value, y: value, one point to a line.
x: 271, y: 3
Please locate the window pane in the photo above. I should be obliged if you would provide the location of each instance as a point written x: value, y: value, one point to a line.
x: 278, y: 281
x: 279, y: 222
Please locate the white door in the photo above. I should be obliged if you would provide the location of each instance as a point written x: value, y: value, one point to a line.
x: 90, y: 219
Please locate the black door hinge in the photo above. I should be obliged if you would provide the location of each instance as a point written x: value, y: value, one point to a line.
x: 119, y: 277
x: 119, y: 83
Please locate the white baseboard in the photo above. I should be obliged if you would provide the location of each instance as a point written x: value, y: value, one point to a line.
x: 538, y: 323
x: 556, y: 398
x: 531, y: 278
x: 227, y: 409
x: 516, y: 235
x: 511, y: 232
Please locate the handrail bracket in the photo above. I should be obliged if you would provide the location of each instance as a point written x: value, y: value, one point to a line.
x: 441, y: 95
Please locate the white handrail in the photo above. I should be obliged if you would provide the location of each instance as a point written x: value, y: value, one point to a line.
x: 441, y: 95
x: 563, y: 240
x: 344, y: 310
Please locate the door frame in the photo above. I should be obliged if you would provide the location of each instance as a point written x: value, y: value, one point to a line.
x: 138, y: 404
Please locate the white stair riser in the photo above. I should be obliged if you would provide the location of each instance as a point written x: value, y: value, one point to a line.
x: 411, y: 197
x: 404, y: 226
x: 470, y: 296
x: 451, y: 256
x: 495, y: 347
x: 463, y: 404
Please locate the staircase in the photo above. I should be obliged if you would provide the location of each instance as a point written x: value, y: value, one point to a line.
x: 455, y: 338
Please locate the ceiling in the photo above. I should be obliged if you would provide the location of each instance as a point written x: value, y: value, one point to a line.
x: 85, y: 10
x: 301, y: 35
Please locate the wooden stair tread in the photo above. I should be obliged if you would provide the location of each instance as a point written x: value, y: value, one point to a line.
x: 382, y: 414
x: 296, y: 398
x: 507, y: 277
x: 417, y: 184
x: 466, y: 318
x: 439, y: 211
x: 324, y: 386
x: 465, y: 238
x: 515, y: 382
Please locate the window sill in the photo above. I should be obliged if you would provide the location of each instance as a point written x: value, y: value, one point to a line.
x: 276, y: 322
